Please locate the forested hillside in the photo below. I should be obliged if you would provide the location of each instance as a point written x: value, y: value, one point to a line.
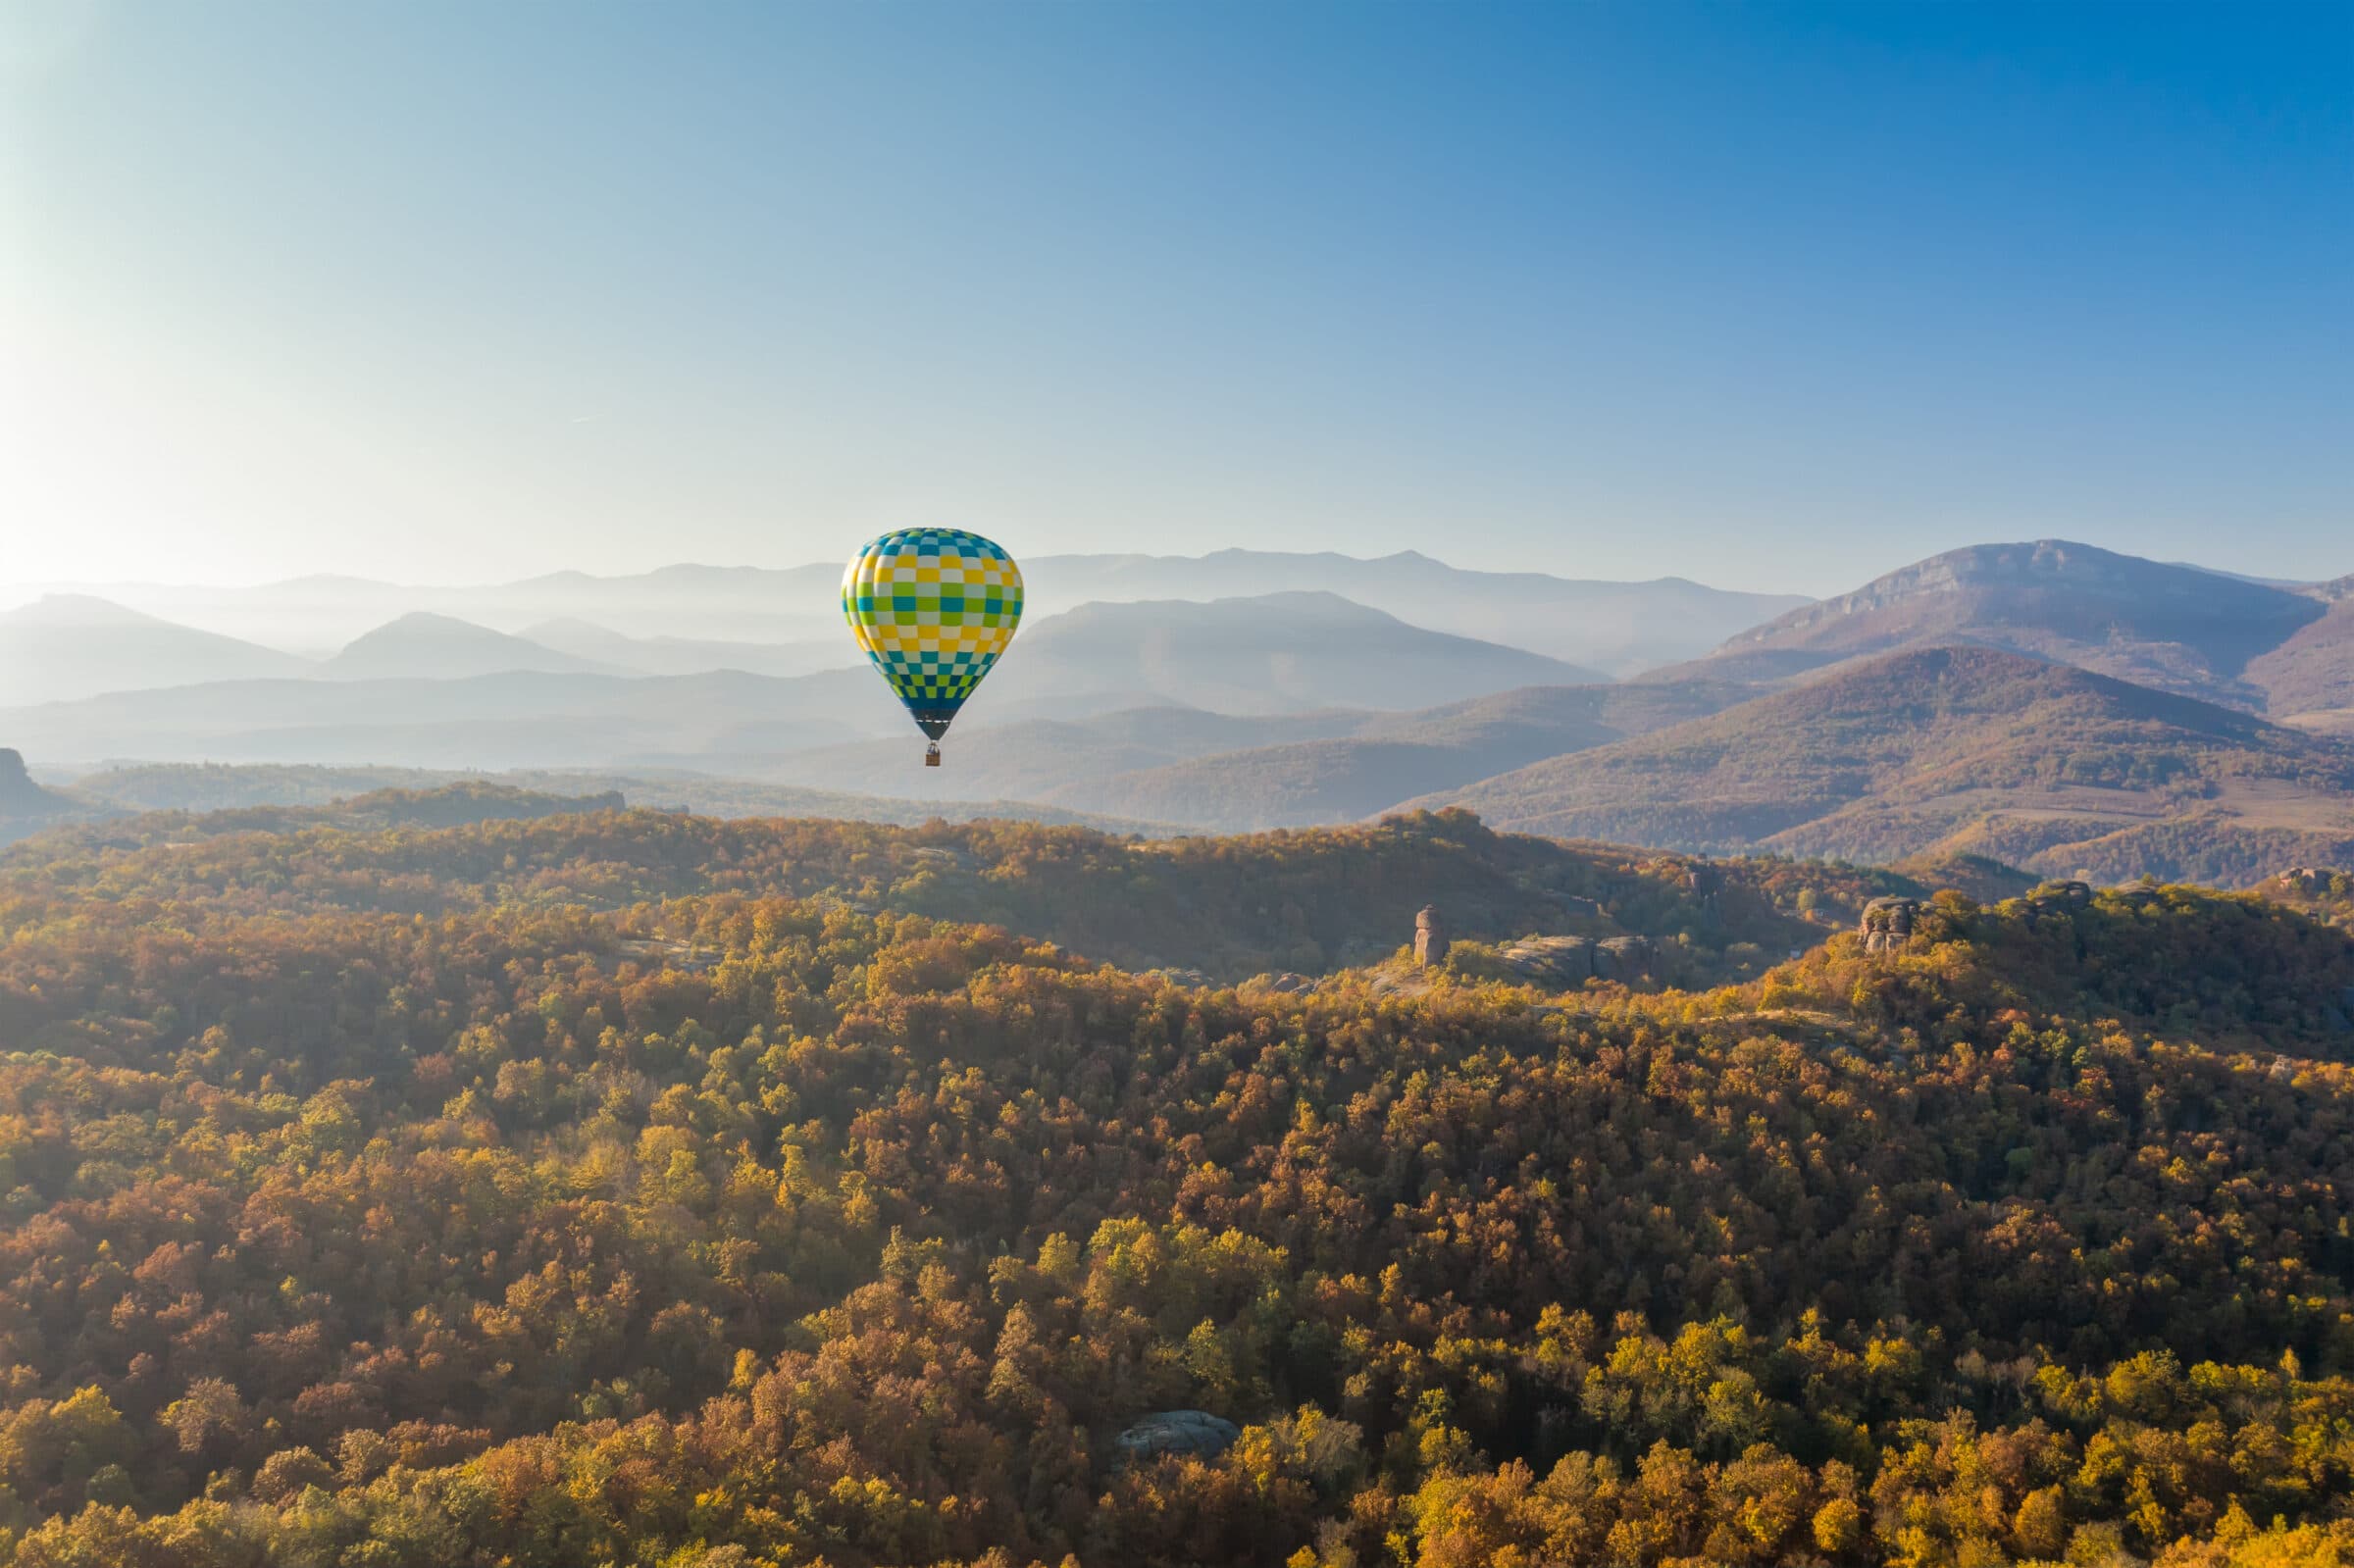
x: 1960, y: 750
x: 636, y: 1188
x: 1311, y: 901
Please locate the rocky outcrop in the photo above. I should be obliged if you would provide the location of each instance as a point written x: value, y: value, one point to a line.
x: 1430, y: 936
x: 2066, y: 893
x: 1568, y: 961
x: 1181, y: 1431
x: 1887, y: 923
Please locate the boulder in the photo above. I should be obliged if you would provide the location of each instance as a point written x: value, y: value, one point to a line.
x: 1561, y: 961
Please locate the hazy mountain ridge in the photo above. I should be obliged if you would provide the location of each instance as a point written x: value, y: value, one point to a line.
x: 1288, y: 708
x: 1612, y: 625
x: 1341, y: 778
x: 422, y: 646
x: 1278, y: 655
x: 1273, y: 653
x: 671, y: 655
x: 68, y: 647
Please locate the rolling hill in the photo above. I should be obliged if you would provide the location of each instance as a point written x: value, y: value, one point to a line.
x: 1961, y: 749
x: 2170, y: 628
x: 2309, y: 679
x: 394, y: 1175
x: 67, y: 646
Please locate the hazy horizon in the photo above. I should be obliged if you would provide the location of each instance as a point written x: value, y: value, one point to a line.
x: 1772, y: 298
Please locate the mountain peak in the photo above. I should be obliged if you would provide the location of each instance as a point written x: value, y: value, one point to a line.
x: 425, y: 643
x: 77, y: 610
x: 2176, y: 629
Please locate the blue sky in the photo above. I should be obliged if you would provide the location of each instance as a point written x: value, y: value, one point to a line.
x: 1776, y: 296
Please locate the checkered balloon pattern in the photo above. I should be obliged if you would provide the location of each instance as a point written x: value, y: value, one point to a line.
x: 933, y: 608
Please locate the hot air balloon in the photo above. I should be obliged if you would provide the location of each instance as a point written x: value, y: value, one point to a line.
x: 933, y: 608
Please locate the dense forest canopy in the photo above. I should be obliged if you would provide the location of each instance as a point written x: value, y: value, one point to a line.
x: 630, y: 1187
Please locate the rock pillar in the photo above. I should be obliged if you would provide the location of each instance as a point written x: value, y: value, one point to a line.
x: 1430, y: 936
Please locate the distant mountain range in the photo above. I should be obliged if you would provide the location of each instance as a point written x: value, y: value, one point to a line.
x: 1614, y: 626
x: 2049, y: 704
x: 1957, y: 749
x: 1282, y: 653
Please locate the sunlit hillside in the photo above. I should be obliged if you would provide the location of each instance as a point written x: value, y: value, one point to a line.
x: 634, y: 1188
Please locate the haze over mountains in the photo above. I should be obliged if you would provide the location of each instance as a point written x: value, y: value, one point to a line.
x: 1954, y: 706
x: 485, y: 699
x: 70, y: 645
x: 422, y: 645
x: 1616, y: 627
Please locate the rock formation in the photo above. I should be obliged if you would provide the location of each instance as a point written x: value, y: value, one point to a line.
x: 1569, y: 961
x: 1887, y: 923
x: 1186, y: 1432
x: 1430, y: 936
x: 1623, y: 958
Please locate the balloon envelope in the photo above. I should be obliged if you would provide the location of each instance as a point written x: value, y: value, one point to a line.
x: 933, y: 608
